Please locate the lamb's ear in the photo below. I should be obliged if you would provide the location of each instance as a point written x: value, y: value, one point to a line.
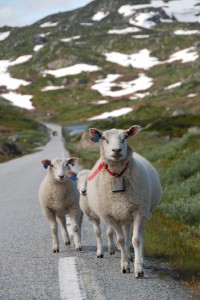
x: 133, y: 130
x: 72, y: 160
x: 95, y: 134
x: 46, y: 163
x: 72, y: 175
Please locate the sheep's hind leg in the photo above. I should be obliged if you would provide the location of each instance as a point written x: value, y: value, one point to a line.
x: 125, y: 268
x: 110, y: 235
x: 137, y: 240
x: 63, y: 227
x: 74, y: 218
x: 97, y: 231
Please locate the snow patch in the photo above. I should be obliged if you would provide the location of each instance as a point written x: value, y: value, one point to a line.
x: 140, y: 60
x: 192, y: 95
x: 38, y: 47
x: 100, y: 15
x: 145, y: 36
x: 143, y: 60
x: 4, y: 35
x: 73, y: 70
x: 174, y: 85
x: 185, y: 55
x: 182, y: 10
x: 139, y: 95
x: 19, y: 100
x: 101, y: 102
x: 48, y: 24
x: 6, y: 79
x: 105, y: 86
x: 114, y: 113
x: 52, y: 88
x: 14, y: 83
x: 44, y: 34
x: 20, y: 60
x: 142, y: 20
x: 124, y: 31
x: 186, y: 32
x: 70, y: 39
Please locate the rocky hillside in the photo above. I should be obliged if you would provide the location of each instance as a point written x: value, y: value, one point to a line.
x: 112, y: 60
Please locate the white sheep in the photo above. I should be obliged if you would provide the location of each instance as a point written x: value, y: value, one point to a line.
x: 82, y: 178
x: 123, y: 188
x: 58, y: 196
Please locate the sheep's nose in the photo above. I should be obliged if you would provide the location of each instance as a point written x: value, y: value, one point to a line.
x: 117, y: 150
x: 83, y: 192
x: 61, y: 176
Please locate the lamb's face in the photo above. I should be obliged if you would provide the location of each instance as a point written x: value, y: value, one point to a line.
x: 58, y: 167
x: 113, y: 143
x: 82, y: 177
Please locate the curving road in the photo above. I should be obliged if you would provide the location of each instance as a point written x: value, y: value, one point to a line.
x: 30, y: 271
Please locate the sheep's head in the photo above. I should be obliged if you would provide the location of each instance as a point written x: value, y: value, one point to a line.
x: 81, y: 178
x: 58, y: 167
x: 113, y: 142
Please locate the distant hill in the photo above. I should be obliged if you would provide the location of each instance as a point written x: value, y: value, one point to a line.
x: 135, y: 57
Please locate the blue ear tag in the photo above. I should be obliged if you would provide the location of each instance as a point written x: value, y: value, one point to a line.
x: 96, y: 138
x: 46, y: 164
x: 73, y: 177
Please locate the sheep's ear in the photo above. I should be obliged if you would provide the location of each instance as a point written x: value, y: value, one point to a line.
x: 133, y: 130
x: 72, y: 175
x: 46, y: 163
x: 72, y: 160
x: 95, y: 134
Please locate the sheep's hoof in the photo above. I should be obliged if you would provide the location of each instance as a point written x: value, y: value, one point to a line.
x: 112, y: 253
x: 79, y: 249
x: 67, y: 243
x: 100, y: 256
x: 55, y: 251
x: 139, y: 274
x: 126, y: 271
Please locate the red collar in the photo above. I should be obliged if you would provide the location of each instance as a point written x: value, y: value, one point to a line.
x: 101, y: 165
x: 116, y: 174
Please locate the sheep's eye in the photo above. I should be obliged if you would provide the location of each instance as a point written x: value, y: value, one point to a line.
x: 123, y: 140
x: 52, y: 166
x: 105, y: 139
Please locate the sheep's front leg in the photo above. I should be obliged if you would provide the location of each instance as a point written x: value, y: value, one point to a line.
x: 63, y: 227
x: 74, y: 218
x: 138, y: 244
x: 51, y: 216
x: 97, y: 231
x: 125, y: 268
x: 126, y: 231
x: 110, y: 235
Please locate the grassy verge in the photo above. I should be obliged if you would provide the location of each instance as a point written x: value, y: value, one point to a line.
x: 173, y: 233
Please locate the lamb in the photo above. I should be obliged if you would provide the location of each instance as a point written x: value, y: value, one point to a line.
x: 123, y: 188
x: 58, y: 195
x: 82, y: 178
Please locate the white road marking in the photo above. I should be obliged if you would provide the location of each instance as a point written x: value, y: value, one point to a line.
x: 69, y: 280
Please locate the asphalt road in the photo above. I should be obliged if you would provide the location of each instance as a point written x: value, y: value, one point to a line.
x: 28, y: 268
